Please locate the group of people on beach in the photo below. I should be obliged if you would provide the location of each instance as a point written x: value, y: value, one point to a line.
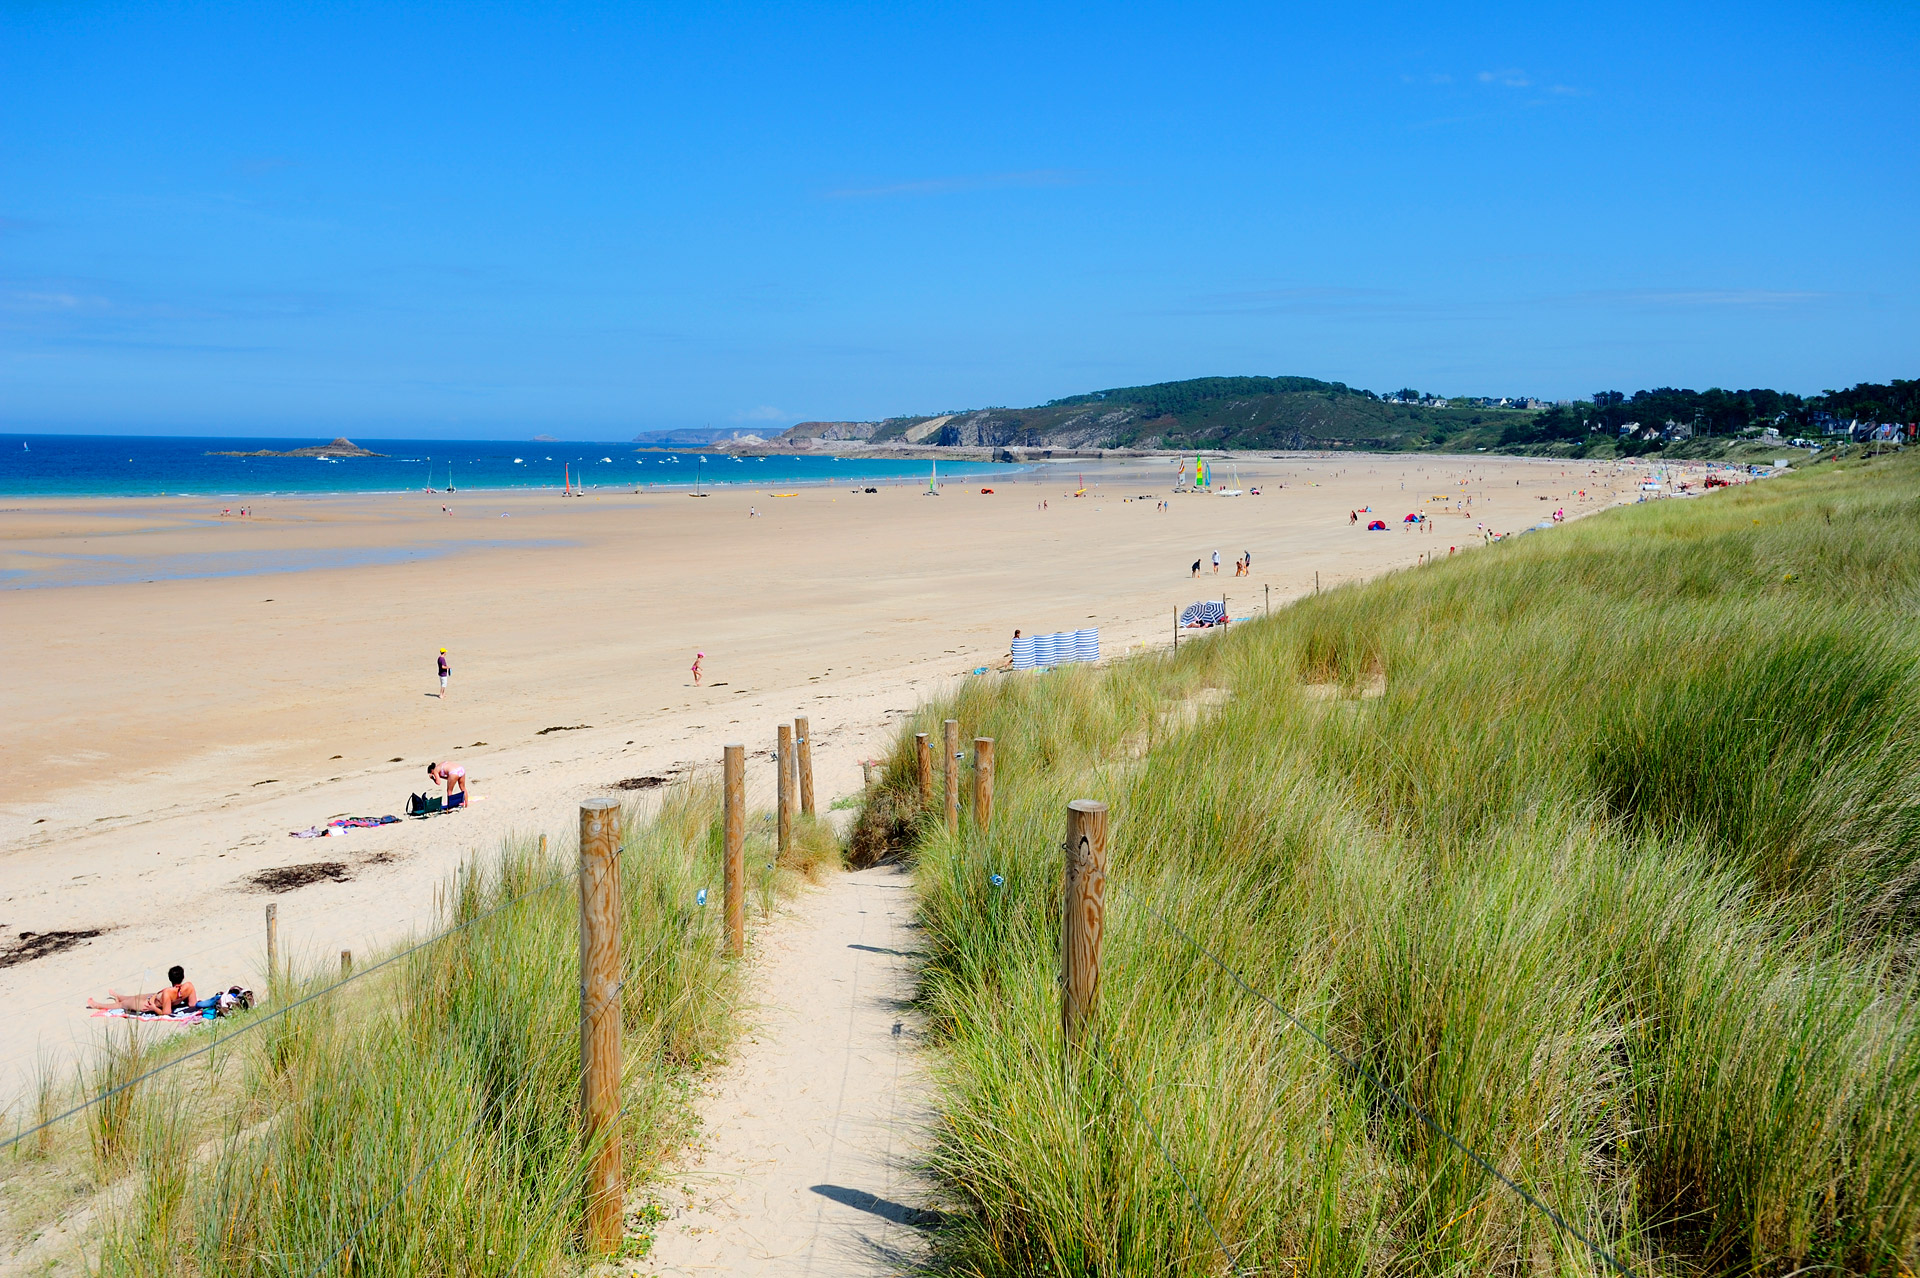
x: 1242, y: 567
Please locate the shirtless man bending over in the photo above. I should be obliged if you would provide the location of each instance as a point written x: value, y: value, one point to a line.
x: 179, y: 993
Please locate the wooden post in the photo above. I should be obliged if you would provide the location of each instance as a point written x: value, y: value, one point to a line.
x: 982, y: 781
x: 804, y: 761
x: 734, y: 769
x: 1083, y: 916
x: 346, y: 964
x: 273, y: 947
x: 866, y: 775
x: 950, y: 739
x: 1316, y: 581
x: 1267, y: 590
x: 783, y: 756
x: 1176, y: 630
x: 923, y: 758
x: 600, y: 1018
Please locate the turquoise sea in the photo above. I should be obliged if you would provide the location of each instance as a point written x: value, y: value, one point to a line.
x: 146, y: 466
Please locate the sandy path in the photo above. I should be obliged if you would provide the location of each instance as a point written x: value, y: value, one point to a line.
x: 805, y: 1166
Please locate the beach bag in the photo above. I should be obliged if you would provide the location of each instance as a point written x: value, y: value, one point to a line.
x: 423, y: 804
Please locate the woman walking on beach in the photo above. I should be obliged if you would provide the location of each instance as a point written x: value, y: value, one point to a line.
x: 445, y: 671
x: 697, y: 658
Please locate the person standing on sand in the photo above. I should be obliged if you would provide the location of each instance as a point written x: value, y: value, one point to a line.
x: 1216, y: 563
x: 697, y: 658
x: 445, y: 672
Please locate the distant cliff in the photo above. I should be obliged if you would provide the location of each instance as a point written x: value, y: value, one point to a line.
x: 1205, y: 412
x: 1303, y: 413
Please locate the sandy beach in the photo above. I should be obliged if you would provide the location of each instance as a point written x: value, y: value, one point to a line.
x: 167, y: 730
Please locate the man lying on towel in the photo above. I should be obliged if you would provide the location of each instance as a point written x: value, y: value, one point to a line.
x: 179, y: 993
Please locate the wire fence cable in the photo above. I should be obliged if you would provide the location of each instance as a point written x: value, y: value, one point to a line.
x: 1404, y: 1102
x: 1126, y: 1092
x: 257, y: 1022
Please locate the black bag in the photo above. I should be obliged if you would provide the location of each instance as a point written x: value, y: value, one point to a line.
x: 423, y: 804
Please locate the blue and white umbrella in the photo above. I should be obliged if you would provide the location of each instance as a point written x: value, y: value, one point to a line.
x: 1205, y: 613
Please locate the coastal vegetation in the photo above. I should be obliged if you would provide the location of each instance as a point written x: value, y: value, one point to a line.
x: 1600, y: 847
x: 422, y: 1120
x: 1305, y: 413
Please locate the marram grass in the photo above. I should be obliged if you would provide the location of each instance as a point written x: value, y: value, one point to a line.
x: 423, y: 1120
x: 1602, y: 846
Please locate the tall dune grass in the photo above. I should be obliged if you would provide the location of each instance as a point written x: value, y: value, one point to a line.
x: 424, y: 1120
x: 1599, y: 846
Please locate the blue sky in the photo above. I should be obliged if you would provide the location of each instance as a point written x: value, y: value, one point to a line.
x: 490, y: 220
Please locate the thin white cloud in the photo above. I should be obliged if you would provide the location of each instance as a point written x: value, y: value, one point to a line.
x: 955, y: 185
x: 1512, y: 79
x: 1696, y: 298
x: 31, y: 300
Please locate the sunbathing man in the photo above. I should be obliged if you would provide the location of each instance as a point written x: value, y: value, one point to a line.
x: 179, y: 993
x: 455, y: 778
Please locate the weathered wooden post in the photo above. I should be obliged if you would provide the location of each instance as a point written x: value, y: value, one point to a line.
x: 273, y: 947
x: 1266, y: 589
x: 866, y: 774
x: 982, y: 781
x: 923, y: 759
x: 734, y: 769
x: 783, y: 758
x: 600, y: 1018
x: 803, y: 739
x: 346, y: 964
x: 1083, y: 922
x: 950, y: 739
x: 1176, y: 630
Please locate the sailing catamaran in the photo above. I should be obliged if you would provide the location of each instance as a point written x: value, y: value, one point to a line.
x: 933, y: 481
